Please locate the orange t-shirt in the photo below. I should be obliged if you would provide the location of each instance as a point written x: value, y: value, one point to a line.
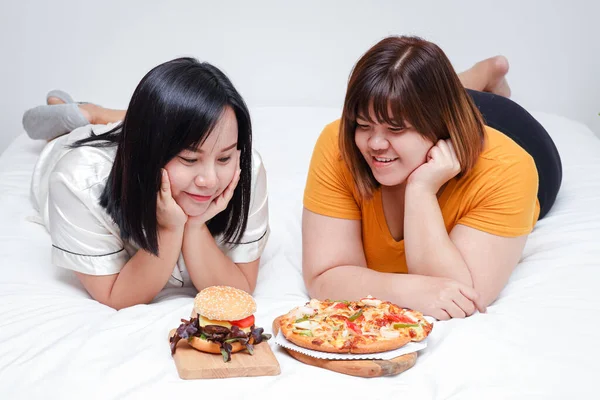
x: 498, y: 196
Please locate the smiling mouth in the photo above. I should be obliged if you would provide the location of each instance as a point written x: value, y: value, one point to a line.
x: 199, y: 198
x: 383, y: 160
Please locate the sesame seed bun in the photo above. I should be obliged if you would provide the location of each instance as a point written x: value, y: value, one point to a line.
x: 224, y: 303
x: 212, y: 347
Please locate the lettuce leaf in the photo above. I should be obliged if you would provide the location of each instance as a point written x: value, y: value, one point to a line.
x: 186, y: 330
x: 258, y: 335
x: 219, y: 334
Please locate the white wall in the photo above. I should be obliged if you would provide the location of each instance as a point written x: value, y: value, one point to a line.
x: 289, y: 53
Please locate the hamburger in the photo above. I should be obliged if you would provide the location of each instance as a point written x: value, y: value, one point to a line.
x: 222, y: 322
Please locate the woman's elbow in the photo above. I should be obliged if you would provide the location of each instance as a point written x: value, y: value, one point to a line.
x: 109, y: 302
x: 311, y: 282
x: 251, y: 287
x: 317, y: 283
x: 118, y: 304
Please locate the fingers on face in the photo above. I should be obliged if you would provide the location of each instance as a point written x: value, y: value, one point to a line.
x: 165, y: 186
x: 453, y: 156
x: 446, y: 148
x: 234, y: 181
x: 442, y: 145
x: 228, y: 194
x: 451, y: 149
x: 222, y: 201
x: 443, y: 148
x: 435, y: 150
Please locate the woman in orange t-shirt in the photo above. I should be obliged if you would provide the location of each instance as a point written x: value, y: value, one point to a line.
x: 413, y: 196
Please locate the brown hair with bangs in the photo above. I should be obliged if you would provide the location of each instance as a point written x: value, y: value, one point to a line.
x: 406, y: 78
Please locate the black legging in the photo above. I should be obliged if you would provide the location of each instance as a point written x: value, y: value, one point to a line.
x: 515, y: 122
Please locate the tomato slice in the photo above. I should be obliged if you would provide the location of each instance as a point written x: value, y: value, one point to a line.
x: 244, y: 323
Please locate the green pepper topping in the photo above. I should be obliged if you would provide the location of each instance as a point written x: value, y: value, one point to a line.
x: 398, y: 326
x: 353, y: 317
x: 305, y: 318
x: 304, y: 333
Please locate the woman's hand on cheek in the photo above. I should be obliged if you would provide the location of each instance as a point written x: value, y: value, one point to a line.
x: 440, y: 166
x: 220, y: 203
x: 169, y: 215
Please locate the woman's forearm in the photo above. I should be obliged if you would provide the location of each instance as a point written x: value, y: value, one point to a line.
x: 350, y: 282
x: 428, y: 248
x: 206, y: 263
x: 145, y: 274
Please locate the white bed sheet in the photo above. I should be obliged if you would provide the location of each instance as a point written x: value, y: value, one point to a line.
x: 538, y: 340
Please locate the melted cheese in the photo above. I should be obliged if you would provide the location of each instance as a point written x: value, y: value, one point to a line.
x: 205, y: 321
x: 310, y: 325
x: 302, y: 311
x: 389, y: 333
x: 371, y: 301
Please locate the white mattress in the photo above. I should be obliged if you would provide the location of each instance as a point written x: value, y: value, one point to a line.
x: 538, y: 340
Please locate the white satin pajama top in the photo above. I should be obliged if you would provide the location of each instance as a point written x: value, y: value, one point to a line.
x: 66, y: 188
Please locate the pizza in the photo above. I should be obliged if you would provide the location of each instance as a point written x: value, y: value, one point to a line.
x: 366, y: 326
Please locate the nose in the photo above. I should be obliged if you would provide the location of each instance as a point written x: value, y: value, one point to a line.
x: 378, y: 141
x: 206, y: 178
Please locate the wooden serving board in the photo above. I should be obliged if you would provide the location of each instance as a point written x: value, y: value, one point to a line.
x: 194, y: 364
x: 362, y: 368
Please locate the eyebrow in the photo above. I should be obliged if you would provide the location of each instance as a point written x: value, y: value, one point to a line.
x: 196, y: 150
x: 395, y: 125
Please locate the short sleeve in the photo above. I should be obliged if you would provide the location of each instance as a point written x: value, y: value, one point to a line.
x: 252, y: 243
x: 81, y: 238
x: 507, y: 204
x: 329, y: 189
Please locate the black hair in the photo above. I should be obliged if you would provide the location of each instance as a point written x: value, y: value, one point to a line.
x: 174, y: 107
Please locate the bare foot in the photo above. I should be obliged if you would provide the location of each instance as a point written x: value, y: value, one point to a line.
x: 54, y: 101
x: 498, y: 84
x: 488, y: 75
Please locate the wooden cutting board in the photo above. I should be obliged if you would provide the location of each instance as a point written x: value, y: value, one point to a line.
x: 362, y: 368
x: 194, y: 364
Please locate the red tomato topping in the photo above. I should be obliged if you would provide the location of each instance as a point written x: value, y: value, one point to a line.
x: 354, y: 327
x: 244, y: 323
x: 400, y: 318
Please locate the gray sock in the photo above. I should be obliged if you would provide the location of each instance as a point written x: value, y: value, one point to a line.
x: 49, y: 122
x: 64, y: 96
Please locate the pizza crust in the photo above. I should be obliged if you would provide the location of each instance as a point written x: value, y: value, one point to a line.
x: 308, y: 342
x: 381, y: 346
